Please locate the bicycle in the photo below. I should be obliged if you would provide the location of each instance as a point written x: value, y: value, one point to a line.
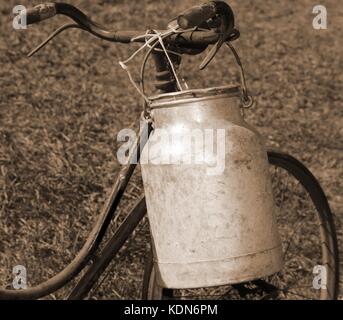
x: 195, y: 30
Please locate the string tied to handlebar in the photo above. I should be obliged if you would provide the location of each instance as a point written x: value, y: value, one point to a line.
x: 154, y: 40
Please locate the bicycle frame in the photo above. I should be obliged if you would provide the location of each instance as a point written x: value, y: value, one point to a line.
x: 130, y: 223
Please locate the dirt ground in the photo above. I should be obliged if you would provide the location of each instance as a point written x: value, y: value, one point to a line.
x: 60, y: 112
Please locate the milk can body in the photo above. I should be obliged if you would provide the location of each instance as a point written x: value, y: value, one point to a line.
x: 211, y: 208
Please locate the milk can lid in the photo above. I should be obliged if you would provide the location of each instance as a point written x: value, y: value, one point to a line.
x: 193, y: 94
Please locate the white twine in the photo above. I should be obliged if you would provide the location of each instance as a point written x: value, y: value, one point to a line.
x: 156, y: 37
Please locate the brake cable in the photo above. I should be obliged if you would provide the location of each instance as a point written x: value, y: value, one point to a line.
x: 53, y: 35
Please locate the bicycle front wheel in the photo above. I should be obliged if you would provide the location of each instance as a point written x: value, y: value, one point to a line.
x: 309, y: 242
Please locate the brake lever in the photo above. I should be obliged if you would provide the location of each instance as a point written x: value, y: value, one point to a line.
x: 53, y: 35
x: 226, y: 28
x: 226, y: 37
x: 215, y: 15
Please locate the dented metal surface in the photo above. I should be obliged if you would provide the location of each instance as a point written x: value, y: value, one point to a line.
x: 209, y: 229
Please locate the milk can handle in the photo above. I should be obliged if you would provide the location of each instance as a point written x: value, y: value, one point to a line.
x: 247, y: 100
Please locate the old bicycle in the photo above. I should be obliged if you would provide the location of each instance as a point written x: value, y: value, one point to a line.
x: 211, y: 24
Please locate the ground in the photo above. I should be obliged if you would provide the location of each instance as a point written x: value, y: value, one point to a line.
x: 60, y: 112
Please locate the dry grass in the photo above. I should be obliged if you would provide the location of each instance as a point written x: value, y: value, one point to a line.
x: 60, y: 112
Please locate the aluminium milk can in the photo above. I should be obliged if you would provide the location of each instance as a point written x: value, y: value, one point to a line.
x: 208, y: 192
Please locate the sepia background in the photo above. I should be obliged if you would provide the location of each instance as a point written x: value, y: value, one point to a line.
x: 60, y: 112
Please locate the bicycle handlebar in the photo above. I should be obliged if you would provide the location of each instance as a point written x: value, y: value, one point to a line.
x: 197, y: 15
x: 190, y: 18
x: 40, y: 12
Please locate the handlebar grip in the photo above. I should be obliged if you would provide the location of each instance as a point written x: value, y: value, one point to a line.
x: 197, y: 15
x: 40, y: 13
